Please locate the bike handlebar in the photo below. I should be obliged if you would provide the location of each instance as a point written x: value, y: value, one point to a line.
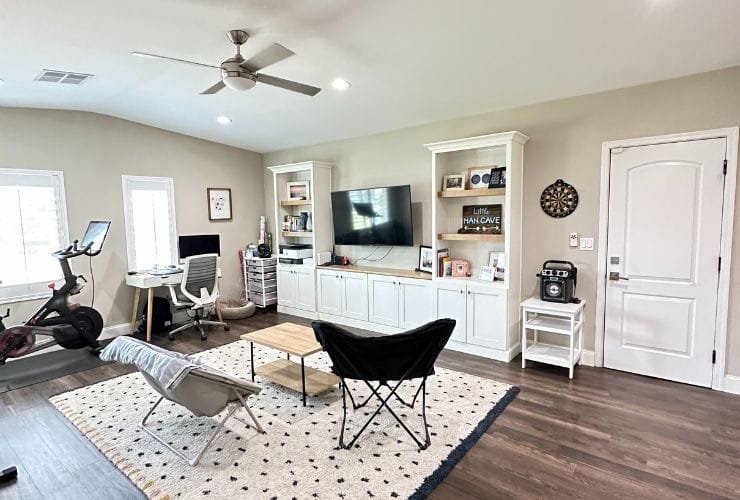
x: 74, y: 251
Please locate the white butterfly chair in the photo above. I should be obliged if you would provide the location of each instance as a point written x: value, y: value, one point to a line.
x: 198, y: 291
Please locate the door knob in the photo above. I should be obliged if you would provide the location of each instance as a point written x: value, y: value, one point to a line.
x: 614, y: 276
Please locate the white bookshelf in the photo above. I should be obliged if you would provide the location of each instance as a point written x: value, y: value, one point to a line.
x: 503, y: 296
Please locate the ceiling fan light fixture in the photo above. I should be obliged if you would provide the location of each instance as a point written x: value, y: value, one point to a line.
x: 223, y: 120
x: 341, y: 84
x: 239, y: 82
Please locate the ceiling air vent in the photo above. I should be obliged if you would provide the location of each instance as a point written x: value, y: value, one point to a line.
x: 55, y: 76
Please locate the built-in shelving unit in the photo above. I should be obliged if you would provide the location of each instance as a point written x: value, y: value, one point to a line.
x: 297, y: 282
x: 487, y: 312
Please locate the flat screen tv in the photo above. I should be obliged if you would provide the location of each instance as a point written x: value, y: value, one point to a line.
x: 377, y: 216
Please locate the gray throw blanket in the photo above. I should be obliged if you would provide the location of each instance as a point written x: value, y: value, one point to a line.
x: 166, y: 367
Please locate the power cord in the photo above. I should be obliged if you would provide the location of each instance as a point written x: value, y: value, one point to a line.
x: 378, y: 259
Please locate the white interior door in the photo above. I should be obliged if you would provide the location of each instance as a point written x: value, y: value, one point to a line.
x: 665, y: 219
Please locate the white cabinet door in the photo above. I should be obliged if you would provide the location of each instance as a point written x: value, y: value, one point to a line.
x: 354, y: 296
x: 305, y: 288
x: 329, y: 292
x: 415, y: 305
x: 450, y: 302
x: 286, y: 287
x: 383, y: 294
x: 486, y: 316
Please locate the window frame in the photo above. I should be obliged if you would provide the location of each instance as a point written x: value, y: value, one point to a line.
x: 128, y: 224
x: 39, y: 289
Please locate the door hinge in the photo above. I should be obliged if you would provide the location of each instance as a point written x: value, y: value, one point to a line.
x: 714, y: 357
x: 724, y: 168
x: 719, y: 264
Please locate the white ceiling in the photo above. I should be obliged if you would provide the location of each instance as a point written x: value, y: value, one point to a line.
x: 410, y: 62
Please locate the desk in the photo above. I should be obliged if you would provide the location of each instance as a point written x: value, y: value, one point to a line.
x: 148, y: 282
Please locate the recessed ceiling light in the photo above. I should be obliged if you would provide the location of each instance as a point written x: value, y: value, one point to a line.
x: 341, y: 84
x: 223, y: 120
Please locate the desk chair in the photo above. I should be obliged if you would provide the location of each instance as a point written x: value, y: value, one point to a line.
x: 198, y: 291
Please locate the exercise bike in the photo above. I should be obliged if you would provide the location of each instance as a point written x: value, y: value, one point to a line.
x: 71, y: 326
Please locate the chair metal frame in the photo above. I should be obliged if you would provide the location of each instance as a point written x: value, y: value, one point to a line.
x: 384, y: 403
x: 241, y: 402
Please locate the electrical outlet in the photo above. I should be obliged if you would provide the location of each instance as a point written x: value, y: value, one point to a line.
x: 587, y: 244
x: 573, y: 240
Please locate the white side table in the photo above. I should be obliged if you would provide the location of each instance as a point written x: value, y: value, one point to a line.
x: 552, y: 317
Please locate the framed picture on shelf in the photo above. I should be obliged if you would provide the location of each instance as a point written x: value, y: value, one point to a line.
x: 219, y: 203
x: 298, y: 190
x: 479, y: 177
x: 497, y: 260
x: 460, y: 268
x: 453, y: 182
x: 487, y: 273
x: 426, y: 259
x: 498, y: 177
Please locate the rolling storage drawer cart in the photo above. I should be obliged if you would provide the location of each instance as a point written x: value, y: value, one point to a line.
x: 554, y: 318
x: 260, y: 280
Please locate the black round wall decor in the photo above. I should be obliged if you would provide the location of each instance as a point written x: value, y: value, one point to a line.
x: 559, y: 199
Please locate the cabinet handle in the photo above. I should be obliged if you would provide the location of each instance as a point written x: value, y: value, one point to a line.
x: 461, y: 292
x: 468, y: 292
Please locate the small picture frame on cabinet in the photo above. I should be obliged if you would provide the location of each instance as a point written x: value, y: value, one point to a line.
x: 487, y: 273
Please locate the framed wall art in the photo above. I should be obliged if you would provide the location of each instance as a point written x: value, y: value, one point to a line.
x: 219, y: 204
x: 298, y: 190
x: 453, y: 182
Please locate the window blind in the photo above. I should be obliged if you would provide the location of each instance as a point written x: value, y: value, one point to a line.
x: 149, y: 209
x: 33, y: 222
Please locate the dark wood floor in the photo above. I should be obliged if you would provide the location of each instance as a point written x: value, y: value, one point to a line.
x: 605, y: 434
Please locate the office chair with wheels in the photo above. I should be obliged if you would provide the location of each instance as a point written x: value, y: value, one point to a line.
x: 198, y: 291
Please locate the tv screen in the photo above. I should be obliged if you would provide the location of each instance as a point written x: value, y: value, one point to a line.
x: 198, y: 244
x: 378, y: 216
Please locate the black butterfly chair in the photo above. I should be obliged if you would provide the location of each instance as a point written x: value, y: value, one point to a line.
x: 401, y: 357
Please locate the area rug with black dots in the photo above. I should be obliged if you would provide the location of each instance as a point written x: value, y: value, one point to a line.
x: 298, y: 456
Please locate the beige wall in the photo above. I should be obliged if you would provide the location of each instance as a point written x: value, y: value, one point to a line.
x: 94, y: 151
x: 566, y: 138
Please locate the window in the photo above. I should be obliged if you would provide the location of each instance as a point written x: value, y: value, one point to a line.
x: 33, y: 224
x: 149, y: 210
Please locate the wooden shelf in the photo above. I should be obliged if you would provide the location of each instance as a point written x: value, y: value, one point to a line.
x: 294, y: 203
x: 288, y: 374
x: 472, y: 192
x: 298, y: 234
x: 496, y: 238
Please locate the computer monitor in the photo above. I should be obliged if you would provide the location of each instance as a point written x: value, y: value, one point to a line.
x: 96, y: 232
x: 198, y: 244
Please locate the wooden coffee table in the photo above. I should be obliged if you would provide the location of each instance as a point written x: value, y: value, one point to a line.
x: 296, y: 340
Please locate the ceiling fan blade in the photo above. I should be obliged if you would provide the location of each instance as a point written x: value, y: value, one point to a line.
x: 287, y: 84
x: 272, y: 54
x: 213, y: 89
x: 166, y: 58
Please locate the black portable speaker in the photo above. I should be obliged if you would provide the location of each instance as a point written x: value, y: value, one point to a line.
x: 558, y: 280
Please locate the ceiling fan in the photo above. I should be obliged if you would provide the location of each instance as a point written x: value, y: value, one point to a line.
x: 238, y: 74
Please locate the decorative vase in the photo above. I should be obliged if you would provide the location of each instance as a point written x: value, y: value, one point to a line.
x: 309, y: 222
x: 304, y: 221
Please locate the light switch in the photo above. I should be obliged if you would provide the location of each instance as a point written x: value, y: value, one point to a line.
x: 573, y: 240
x: 587, y: 244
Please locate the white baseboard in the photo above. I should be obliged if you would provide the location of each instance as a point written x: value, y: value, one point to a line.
x: 731, y: 384
x: 113, y: 331
x: 587, y: 358
x: 297, y: 312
